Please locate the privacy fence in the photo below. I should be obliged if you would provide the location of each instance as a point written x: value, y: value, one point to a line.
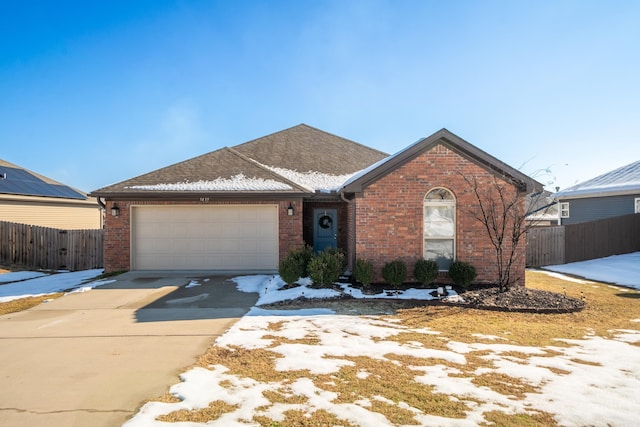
x: 50, y: 248
x: 580, y: 242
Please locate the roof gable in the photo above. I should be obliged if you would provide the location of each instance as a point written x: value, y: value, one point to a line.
x: 368, y: 176
x: 624, y: 180
x: 19, y: 181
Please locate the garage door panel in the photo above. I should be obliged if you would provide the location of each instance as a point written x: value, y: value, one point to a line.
x: 205, y: 237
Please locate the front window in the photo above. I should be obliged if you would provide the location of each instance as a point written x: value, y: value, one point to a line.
x: 564, y: 210
x: 440, y: 227
x: 637, y: 205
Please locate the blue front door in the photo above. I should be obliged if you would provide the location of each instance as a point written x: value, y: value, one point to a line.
x: 325, y: 229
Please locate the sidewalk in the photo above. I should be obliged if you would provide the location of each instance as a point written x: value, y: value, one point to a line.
x: 90, y: 359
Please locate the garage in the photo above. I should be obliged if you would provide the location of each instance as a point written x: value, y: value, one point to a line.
x: 221, y: 237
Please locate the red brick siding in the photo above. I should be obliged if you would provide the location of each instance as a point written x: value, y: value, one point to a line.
x: 389, y: 214
x: 117, y: 238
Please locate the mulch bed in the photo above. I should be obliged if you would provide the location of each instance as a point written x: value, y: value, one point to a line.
x: 517, y: 299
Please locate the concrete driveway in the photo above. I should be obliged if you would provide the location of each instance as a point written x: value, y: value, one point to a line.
x: 90, y: 359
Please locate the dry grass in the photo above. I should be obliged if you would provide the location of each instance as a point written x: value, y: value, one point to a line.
x: 390, y: 384
x: 608, y: 308
x: 210, y: 413
x: 25, y: 303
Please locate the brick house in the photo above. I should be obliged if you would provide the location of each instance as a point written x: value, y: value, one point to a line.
x: 245, y: 207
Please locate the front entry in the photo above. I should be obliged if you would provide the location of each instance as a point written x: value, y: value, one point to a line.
x: 325, y: 229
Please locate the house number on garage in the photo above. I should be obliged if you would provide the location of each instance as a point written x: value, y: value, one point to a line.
x: 204, y: 200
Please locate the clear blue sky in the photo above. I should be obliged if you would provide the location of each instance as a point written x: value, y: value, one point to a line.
x: 94, y: 92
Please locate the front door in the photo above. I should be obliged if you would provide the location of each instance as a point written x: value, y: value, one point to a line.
x: 325, y: 229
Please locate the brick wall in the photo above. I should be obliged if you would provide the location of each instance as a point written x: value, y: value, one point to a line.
x: 389, y: 214
x: 117, y: 237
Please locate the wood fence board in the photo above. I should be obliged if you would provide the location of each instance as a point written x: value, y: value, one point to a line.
x: 583, y: 241
x: 49, y: 248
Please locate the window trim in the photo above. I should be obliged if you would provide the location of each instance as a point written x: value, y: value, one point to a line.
x: 434, y: 202
x: 564, y: 210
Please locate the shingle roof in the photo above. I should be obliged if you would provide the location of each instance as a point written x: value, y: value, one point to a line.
x: 16, y: 180
x: 297, y: 160
x: 624, y: 180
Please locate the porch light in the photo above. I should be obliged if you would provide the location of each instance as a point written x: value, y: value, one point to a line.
x: 290, y: 210
x: 115, y: 210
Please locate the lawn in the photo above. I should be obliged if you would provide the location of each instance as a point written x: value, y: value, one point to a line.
x: 431, y: 365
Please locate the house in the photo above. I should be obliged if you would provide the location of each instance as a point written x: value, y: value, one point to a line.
x: 30, y: 198
x: 542, y: 209
x: 612, y: 194
x: 245, y: 207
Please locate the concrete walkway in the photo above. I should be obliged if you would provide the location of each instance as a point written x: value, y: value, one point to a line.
x: 91, y: 359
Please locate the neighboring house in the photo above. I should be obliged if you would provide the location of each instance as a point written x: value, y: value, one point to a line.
x: 542, y: 210
x: 614, y: 193
x: 245, y: 207
x: 30, y: 198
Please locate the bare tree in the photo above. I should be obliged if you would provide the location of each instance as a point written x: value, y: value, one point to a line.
x: 501, y: 210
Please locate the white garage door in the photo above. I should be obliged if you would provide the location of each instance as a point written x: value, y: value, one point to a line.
x: 229, y: 237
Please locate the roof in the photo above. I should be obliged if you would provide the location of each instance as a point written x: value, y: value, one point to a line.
x: 295, y: 161
x: 361, y: 180
x: 624, y: 180
x: 16, y: 180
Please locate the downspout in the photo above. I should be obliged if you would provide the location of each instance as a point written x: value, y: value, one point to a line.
x: 352, y: 239
x: 103, y: 206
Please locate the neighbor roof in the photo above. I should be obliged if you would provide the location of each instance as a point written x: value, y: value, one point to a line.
x: 363, y: 179
x: 16, y: 180
x: 296, y: 161
x: 624, y: 180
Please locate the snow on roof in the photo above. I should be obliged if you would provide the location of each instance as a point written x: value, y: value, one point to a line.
x: 235, y: 183
x: 312, y: 180
x: 622, y: 180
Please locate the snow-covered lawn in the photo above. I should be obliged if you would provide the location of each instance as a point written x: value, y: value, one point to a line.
x: 23, y: 284
x: 315, y: 354
x: 619, y: 269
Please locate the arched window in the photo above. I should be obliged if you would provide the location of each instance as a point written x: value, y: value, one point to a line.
x: 440, y: 227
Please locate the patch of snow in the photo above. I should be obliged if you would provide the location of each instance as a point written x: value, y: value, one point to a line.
x: 236, y: 183
x: 313, y: 180
x: 193, y: 284
x: 619, y: 269
x: 50, y: 284
x: 17, y: 276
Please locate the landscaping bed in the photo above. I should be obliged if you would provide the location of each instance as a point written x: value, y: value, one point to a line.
x: 517, y: 299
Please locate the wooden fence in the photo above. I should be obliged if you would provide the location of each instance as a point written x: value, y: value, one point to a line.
x: 584, y: 241
x: 34, y: 247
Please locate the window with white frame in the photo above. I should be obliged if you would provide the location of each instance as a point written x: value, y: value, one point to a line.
x: 637, y: 205
x: 564, y: 210
x: 440, y: 227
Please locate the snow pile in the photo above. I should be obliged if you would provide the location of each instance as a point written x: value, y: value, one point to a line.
x: 235, y: 183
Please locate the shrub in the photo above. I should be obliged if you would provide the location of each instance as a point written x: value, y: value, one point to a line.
x: 295, y: 265
x: 426, y: 271
x: 462, y: 273
x: 326, y: 267
x: 394, y: 273
x: 363, y: 271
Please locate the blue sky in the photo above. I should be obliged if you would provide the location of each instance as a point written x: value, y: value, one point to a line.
x: 95, y: 92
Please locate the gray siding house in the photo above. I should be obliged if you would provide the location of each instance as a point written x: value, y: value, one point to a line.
x: 614, y: 193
